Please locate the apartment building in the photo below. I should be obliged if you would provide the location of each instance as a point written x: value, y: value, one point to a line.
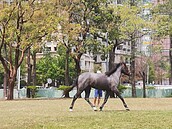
x: 6, y: 1
x: 86, y: 62
x: 157, y: 49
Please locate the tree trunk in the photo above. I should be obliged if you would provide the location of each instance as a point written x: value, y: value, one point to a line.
x: 111, y: 59
x: 5, y: 84
x: 11, y: 83
x: 77, y: 66
x: 5, y: 73
x: 67, y: 68
x: 67, y: 73
x: 170, y: 54
x: 143, y: 75
x: 112, y: 55
x: 29, y: 73
x: 34, y: 68
x: 144, y: 87
x: 112, y: 63
x: 133, y: 50
x: 10, y: 92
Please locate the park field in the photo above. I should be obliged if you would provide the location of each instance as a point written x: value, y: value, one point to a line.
x: 148, y: 113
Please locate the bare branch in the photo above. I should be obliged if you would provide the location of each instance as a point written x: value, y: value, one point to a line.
x: 10, y: 15
x: 22, y: 55
x: 3, y: 61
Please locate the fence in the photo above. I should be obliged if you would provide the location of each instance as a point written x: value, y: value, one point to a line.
x: 53, y: 93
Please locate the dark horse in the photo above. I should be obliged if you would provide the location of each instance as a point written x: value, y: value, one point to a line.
x: 107, y: 82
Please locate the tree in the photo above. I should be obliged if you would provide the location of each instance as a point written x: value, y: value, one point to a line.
x: 16, y: 36
x: 107, y: 22
x: 74, y: 29
x: 81, y: 14
x: 125, y: 25
x: 12, y: 23
x: 43, y: 29
x: 70, y: 32
x: 132, y: 29
x: 164, y: 20
x: 54, y: 67
x: 47, y: 67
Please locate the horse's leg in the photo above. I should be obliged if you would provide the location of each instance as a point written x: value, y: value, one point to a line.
x: 74, y: 99
x: 87, y: 94
x: 105, y: 100
x: 119, y: 95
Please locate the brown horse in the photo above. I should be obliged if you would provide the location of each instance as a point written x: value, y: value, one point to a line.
x: 107, y: 82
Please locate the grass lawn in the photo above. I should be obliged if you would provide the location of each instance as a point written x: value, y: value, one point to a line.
x: 149, y: 113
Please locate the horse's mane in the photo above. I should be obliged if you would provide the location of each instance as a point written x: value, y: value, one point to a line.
x: 108, y: 73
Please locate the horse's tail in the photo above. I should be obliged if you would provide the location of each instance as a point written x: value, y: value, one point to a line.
x: 75, y: 83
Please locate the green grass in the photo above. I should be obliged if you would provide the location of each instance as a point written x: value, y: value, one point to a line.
x: 54, y: 114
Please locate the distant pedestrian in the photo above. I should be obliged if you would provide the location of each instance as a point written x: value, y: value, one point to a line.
x: 97, y: 95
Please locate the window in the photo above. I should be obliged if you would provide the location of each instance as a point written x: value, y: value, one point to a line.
x: 119, y: 47
x: 124, y: 49
x: 129, y: 43
x: 47, y: 48
x: 55, y: 48
x: 95, y: 58
x: 119, y: 1
x: 126, y: 60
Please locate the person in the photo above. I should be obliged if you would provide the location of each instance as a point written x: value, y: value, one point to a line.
x: 97, y: 95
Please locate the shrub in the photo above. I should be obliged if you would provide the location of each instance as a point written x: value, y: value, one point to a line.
x: 65, y: 90
x: 121, y: 88
x: 33, y: 90
x: 150, y: 87
x: 63, y: 87
x: 169, y: 96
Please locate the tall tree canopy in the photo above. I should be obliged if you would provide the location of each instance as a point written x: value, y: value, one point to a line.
x: 21, y: 26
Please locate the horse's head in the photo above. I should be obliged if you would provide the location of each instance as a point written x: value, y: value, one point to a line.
x: 125, y: 69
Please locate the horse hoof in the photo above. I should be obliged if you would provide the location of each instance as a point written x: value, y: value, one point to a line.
x: 127, y: 109
x: 70, y: 110
x: 101, y: 109
x: 94, y: 108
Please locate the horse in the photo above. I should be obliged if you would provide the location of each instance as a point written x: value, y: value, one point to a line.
x: 107, y: 81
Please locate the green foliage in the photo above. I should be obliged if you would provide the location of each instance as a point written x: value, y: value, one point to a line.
x: 33, y: 90
x: 1, y: 78
x: 63, y: 87
x: 1, y: 74
x: 47, y: 67
x: 54, y: 67
x: 151, y: 72
x: 150, y: 87
x: 22, y: 83
x: 169, y: 96
x: 121, y: 88
x: 61, y: 62
x: 162, y: 16
x: 32, y: 87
